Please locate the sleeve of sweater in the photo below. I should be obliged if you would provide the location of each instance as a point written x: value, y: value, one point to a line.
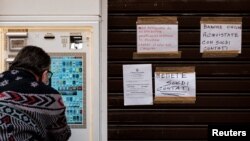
x: 59, y: 130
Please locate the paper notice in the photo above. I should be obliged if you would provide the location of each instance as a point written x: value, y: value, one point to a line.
x: 220, y: 37
x: 157, y: 38
x: 137, y: 84
x: 175, y: 84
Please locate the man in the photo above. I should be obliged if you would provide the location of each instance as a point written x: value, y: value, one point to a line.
x: 30, y: 110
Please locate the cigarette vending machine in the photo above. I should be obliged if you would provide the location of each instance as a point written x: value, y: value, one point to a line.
x: 70, y: 32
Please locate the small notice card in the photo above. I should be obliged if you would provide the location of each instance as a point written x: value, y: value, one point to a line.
x: 175, y: 85
x: 221, y: 34
x: 137, y: 84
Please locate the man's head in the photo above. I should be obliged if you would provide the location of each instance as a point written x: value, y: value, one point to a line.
x: 35, y: 60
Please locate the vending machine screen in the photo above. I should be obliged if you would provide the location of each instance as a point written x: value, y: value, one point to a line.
x: 69, y: 79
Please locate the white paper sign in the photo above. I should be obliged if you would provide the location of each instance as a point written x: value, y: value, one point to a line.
x: 220, y: 37
x: 175, y: 84
x: 137, y: 84
x: 157, y: 38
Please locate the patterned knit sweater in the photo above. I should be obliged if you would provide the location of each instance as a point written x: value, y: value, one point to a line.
x: 30, y: 110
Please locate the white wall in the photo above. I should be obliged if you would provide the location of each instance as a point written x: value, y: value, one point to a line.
x: 50, y: 7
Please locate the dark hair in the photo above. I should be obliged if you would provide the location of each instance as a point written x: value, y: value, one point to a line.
x: 32, y: 58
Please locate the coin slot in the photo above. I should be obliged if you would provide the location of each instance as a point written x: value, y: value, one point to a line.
x: 49, y: 36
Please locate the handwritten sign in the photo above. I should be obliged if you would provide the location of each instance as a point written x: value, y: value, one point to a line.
x: 157, y: 38
x: 220, y: 37
x: 137, y: 84
x: 172, y: 83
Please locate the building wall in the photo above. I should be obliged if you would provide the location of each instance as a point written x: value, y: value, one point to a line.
x: 223, y: 84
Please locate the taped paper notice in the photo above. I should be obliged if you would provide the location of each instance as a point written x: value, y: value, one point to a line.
x: 221, y: 34
x: 157, y: 38
x: 158, y: 34
x: 175, y: 85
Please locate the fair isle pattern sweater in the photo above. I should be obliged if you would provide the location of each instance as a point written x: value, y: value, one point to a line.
x: 30, y: 110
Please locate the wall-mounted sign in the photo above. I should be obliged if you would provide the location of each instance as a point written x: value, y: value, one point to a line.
x: 175, y: 85
x: 221, y: 35
x: 137, y: 84
x: 157, y: 35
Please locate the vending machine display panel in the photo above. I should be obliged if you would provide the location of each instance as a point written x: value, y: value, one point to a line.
x: 69, y: 79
